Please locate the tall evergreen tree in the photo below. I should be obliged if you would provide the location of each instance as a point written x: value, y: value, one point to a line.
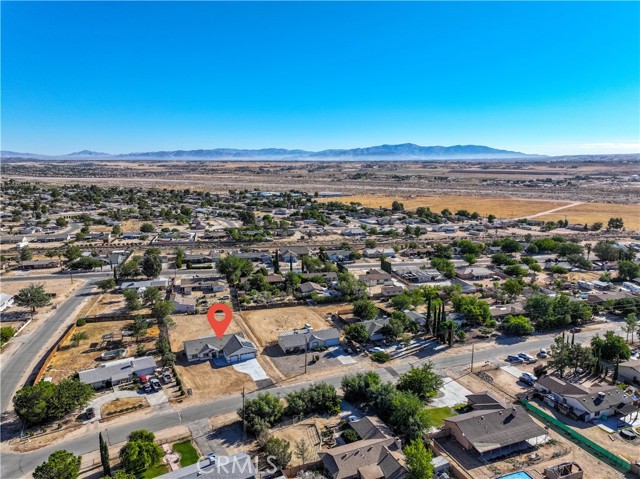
x: 104, y: 456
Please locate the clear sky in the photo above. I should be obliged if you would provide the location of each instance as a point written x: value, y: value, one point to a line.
x: 538, y: 77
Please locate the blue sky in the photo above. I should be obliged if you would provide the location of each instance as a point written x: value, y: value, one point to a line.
x: 539, y: 77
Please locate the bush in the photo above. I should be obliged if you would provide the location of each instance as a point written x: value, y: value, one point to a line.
x: 349, y: 436
x: 6, y: 333
x: 517, y: 325
x: 381, y: 357
x: 81, y: 322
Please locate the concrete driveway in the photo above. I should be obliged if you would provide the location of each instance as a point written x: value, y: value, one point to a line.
x: 452, y: 393
x: 252, y: 368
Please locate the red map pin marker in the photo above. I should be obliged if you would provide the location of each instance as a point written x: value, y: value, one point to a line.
x: 219, y: 326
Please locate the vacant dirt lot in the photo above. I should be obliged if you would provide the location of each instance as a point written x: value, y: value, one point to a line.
x: 193, y: 326
x: 591, y: 212
x: 304, y: 431
x: 267, y: 323
x: 207, y: 381
x: 501, y: 207
x: 62, y: 288
x: 69, y: 360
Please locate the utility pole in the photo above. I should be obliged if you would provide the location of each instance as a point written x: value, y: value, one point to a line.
x: 244, y: 427
x: 306, y: 348
x: 473, y: 347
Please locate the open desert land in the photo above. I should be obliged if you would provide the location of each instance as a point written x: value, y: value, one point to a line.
x: 267, y: 323
x: 592, y: 212
x: 69, y: 359
x: 501, y: 207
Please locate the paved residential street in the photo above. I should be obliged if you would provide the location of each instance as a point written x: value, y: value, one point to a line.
x: 17, y: 465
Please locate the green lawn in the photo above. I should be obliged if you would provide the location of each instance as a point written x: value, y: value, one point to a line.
x: 155, y: 471
x: 437, y: 415
x: 188, y: 453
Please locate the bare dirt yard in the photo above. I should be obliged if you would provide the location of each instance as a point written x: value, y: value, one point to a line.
x: 207, y: 381
x: 306, y: 431
x: 69, y: 359
x: 62, y: 288
x: 267, y: 323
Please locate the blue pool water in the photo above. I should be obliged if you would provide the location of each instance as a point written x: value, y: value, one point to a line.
x: 516, y: 475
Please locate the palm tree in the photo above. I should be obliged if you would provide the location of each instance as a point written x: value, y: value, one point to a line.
x: 588, y: 247
x: 631, y: 323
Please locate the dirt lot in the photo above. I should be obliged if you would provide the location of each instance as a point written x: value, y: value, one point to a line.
x: 69, y: 360
x: 591, y: 212
x: 306, y: 431
x: 267, y: 323
x: 62, y: 288
x: 501, y: 207
x: 110, y: 303
x: 208, y: 382
x: 122, y: 403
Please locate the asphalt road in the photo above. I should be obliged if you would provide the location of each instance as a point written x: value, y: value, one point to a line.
x: 15, y: 465
x: 33, y: 344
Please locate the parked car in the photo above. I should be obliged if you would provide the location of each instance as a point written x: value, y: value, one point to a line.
x: 543, y: 353
x: 526, y: 357
x: 144, y: 379
x: 528, y: 378
x: 147, y: 387
x: 515, y: 359
x: 376, y: 350
x: 90, y: 413
x: 575, y: 330
x: 155, y: 384
x: 166, y: 377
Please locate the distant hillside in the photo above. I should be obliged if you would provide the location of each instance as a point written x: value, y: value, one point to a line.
x: 406, y: 151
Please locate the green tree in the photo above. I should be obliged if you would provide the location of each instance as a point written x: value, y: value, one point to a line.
x: 140, y: 453
x: 26, y: 254
x: 235, y: 268
x: 161, y: 309
x: 30, y: 403
x: 356, y: 332
x: 138, y: 328
x: 6, y: 333
x: 631, y: 324
x: 418, y: 460
x: 147, y: 228
x: 151, y: 264
x: 131, y: 299
x: 68, y: 396
x: 365, y: 309
x: 509, y: 245
x: 106, y: 285
x: 261, y: 413
x: 628, y: 270
x: 303, y: 451
x: 559, y: 355
x: 517, y: 325
x: 61, y: 222
x: 87, y: 263
x: 104, y: 455
x: 358, y: 388
x: 151, y: 296
x: 78, y: 337
x: 421, y: 381
x: 513, y: 287
x: 470, y: 258
x: 33, y: 297
x: 401, y: 301
x: 408, y: 415
x: 278, y: 450
x: 615, y: 224
x: 72, y: 252
x: 60, y: 465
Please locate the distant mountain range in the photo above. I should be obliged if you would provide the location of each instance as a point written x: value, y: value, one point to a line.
x: 385, y: 152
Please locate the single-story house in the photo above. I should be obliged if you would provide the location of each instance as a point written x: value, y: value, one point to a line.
x: 183, y: 304
x: 6, y: 301
x: 391, y: 290
x: 116, y: 372
x: 580, y: 402
x: 501, y: 311
x: 232, y: 348
x: 353, y: 232
x: 373, y: 328
x: 160, y: 283
x: 338, y: 255
x: 475, y: 273
x: 628, y: 371
x: 294, y: 341
x: 492, y: 433
x: 195, y: 258
x: 309, y: 288
x: 375, y: 277
x: 377, y: 252
x: 238, y: 466
x: 274, y: 279
x: 41, y: 264
x: 213, y: 284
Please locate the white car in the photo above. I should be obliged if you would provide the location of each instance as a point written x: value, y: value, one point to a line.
x: 376, y: 350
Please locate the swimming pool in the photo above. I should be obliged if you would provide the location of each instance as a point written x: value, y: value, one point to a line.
x: 516, y: 475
